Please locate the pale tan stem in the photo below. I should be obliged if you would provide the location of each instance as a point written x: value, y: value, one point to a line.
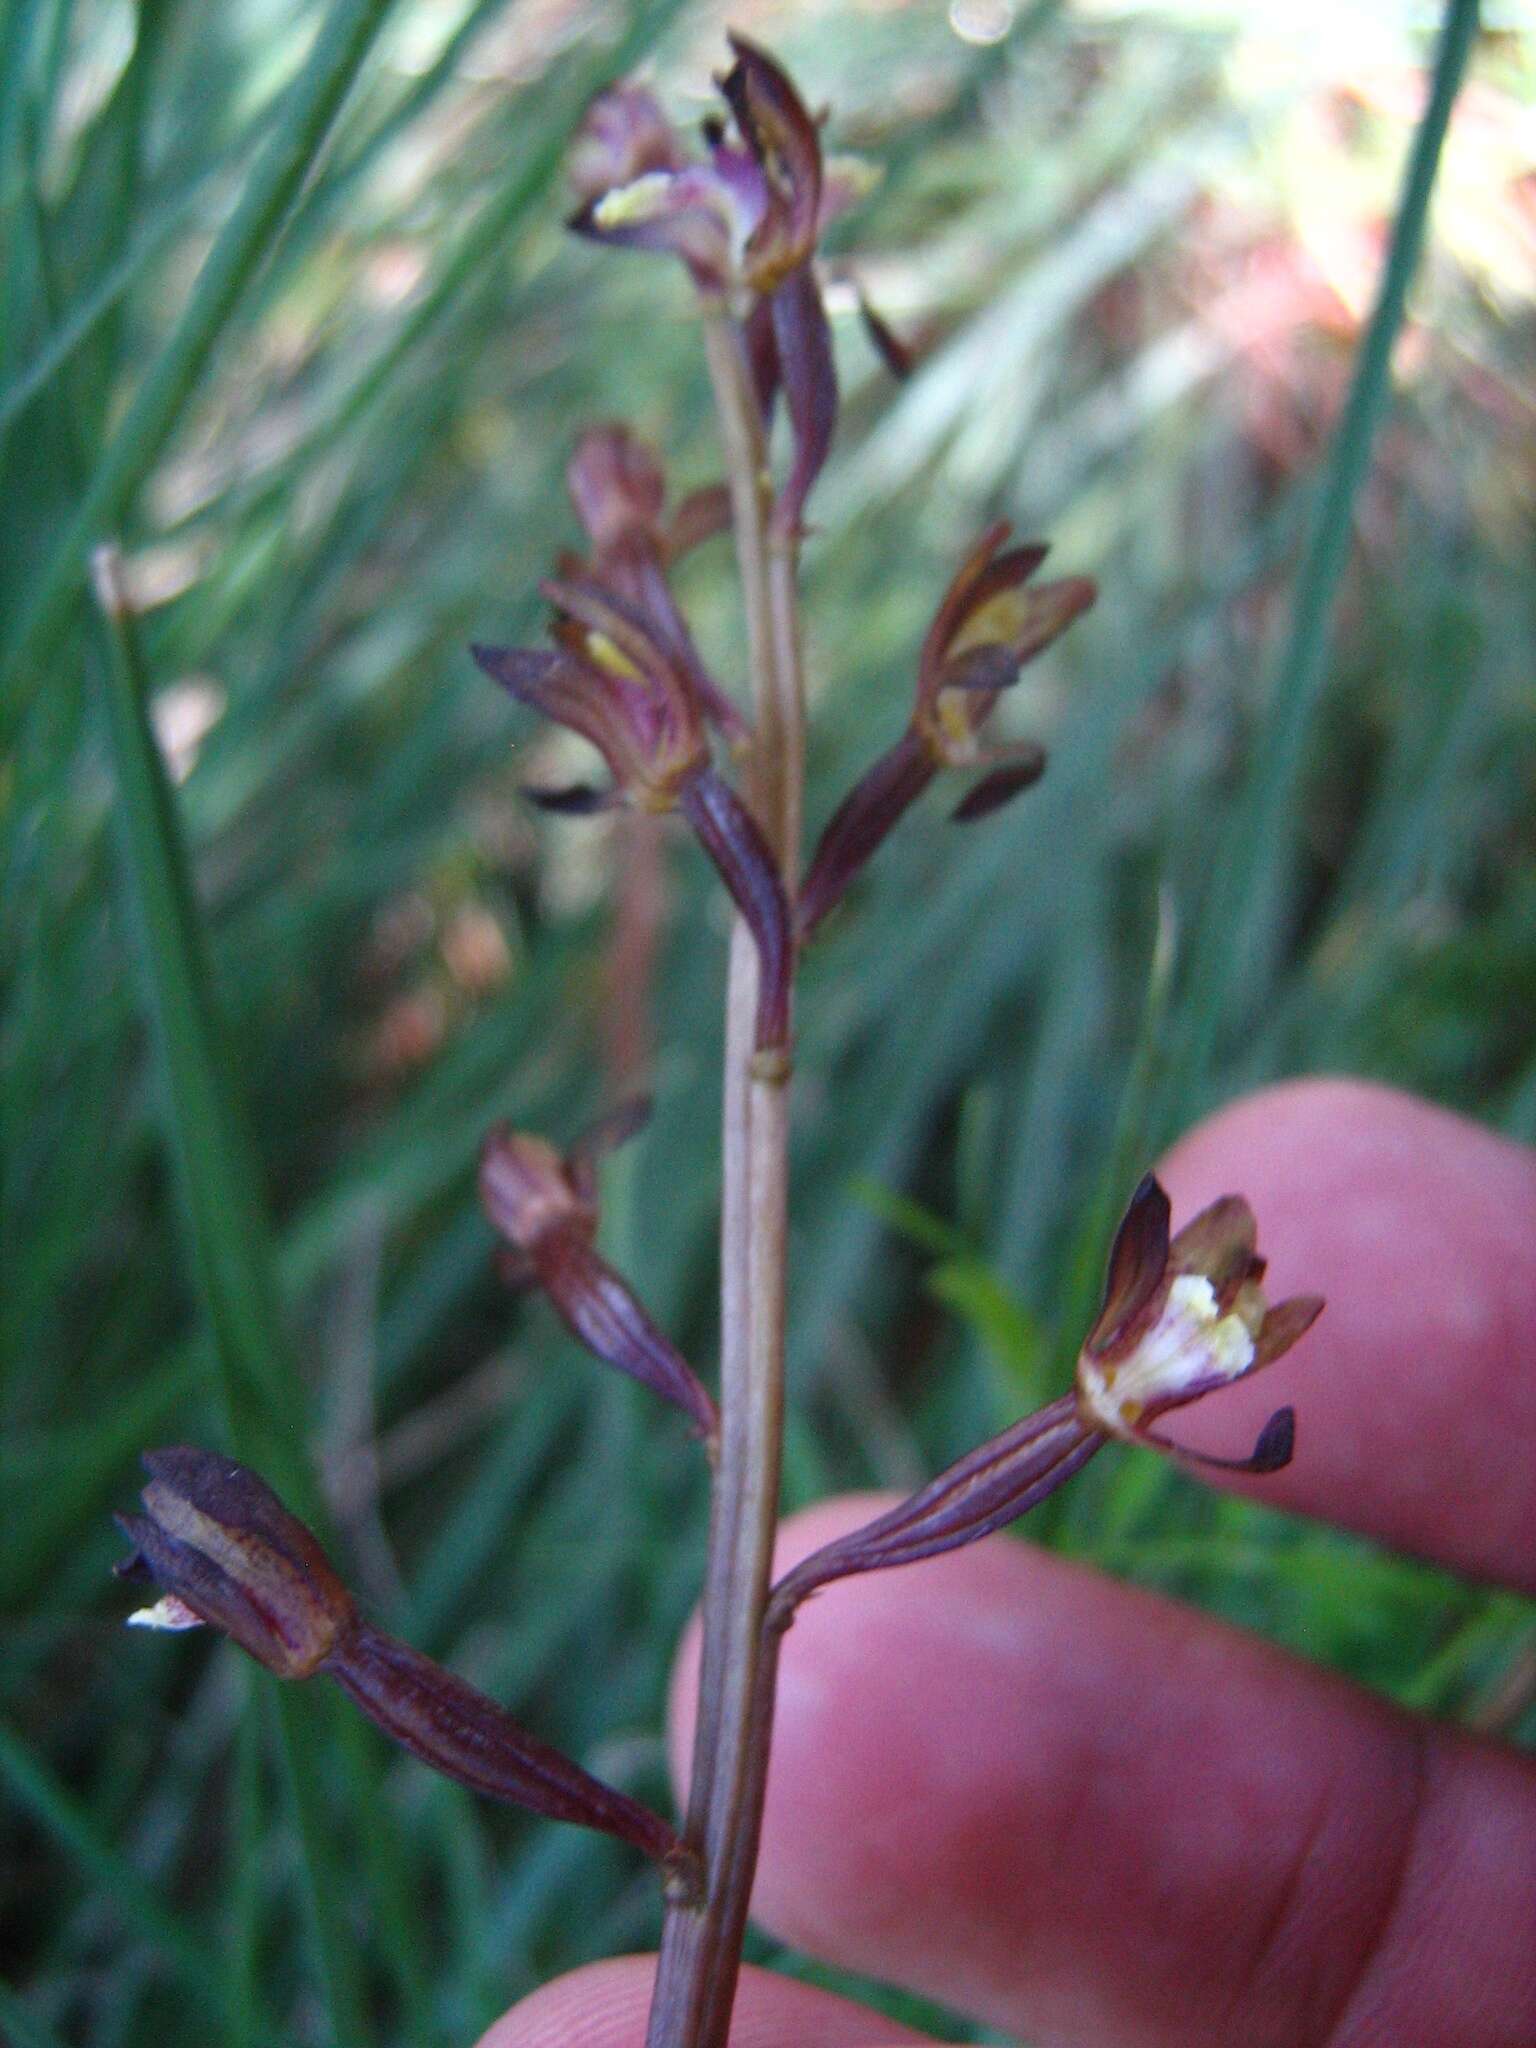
x: 701, y: 1939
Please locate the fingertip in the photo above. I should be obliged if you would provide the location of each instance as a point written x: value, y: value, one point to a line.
x: 1417, y: 1390
x: 607, y: 2004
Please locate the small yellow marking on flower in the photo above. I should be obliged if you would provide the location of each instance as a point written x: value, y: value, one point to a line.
x: 1190, y: 1343
x: 632, y: 205
x: 956, y: 732
x: 604, y: 653
x: 998, y: 622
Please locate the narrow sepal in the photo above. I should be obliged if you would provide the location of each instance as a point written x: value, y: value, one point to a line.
x: 782, y: 137
x: 734, y: 841
x: 578, y: 800
x: 898, y: 357
x: 1283, y: 1325
x: 1272, y: 1453
x: 527, y: 672
x: 979, y: 1493
x: 1000, y: 787
x: 1046, y: 612
x: 600, y: 1309
x: 859, y: 825
x: 698, y: 518
x: 651, y: 594
x: 1137, y: 1260
x: 458, y: 1731
x: 804, y: 342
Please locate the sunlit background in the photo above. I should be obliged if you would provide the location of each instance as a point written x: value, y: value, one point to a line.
x: 1134, y: 249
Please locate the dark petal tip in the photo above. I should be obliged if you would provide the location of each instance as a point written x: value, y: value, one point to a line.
x: 581, y: 800
x: 999, y: 787
x: 1137, y: 1261
x: 897, y: 356
x: 1277, y: 1443
x: 1272, y: 1453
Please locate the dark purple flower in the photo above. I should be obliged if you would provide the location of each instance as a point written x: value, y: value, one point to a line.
x: 991, y: 622
x: 621, y: 681
x: 544, y: 1204
x: 619, y: 490
x: 745, y: 220
x: 225, y: 1552
x: 1181, y: 1318
x: 1178, y: 1320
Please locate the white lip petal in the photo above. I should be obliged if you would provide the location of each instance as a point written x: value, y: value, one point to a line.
x: 1190, y: 1346
x: 167, y: 1613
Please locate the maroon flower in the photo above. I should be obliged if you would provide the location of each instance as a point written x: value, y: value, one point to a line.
x: 745, y: 221
x: 545, y: 1207
x: 225, y: 1552
x: 1182, y: 1318
x: 991, y: 622
x: 1178, y: 1320
x: 618, y: 682
x: 619, y: 490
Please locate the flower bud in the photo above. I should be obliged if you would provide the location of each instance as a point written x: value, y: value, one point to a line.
x: 544, y: 1204
x: 225, y: 1551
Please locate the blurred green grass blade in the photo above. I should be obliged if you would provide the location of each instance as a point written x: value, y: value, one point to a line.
x: 20, y: 2026
x: 1255, y: 843
x: 346, y: 35
x: 80, y: 321
x: 56, y: 1809
x: 327, y: 1879
x: 401, y: 1931
x: 243, y: 1868
x: 257, y: 1378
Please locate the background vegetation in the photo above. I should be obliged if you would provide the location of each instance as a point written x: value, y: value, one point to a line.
x: 296, y: 319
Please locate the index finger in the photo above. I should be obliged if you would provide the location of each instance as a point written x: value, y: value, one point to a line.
x: 1416, y: 1392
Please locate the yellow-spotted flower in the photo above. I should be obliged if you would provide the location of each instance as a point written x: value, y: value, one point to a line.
x: 615, y: 679
x: 744, y: 219
x: 992, y: 620
x: 1181, y: 1318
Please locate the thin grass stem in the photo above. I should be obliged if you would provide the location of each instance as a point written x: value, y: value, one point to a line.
x: 1255, y: 842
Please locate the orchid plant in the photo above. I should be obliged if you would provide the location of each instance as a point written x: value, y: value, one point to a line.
x: 1182, y: 1315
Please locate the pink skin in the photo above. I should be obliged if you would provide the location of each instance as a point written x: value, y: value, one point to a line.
x: 1080, y: 1811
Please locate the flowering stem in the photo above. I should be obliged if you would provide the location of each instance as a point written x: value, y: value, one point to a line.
x: 701, y: 1941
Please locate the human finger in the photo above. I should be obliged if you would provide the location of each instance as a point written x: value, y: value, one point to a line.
x: 605, y: 2006
x: 1081, y: 1812
x: 1415, y: 1393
